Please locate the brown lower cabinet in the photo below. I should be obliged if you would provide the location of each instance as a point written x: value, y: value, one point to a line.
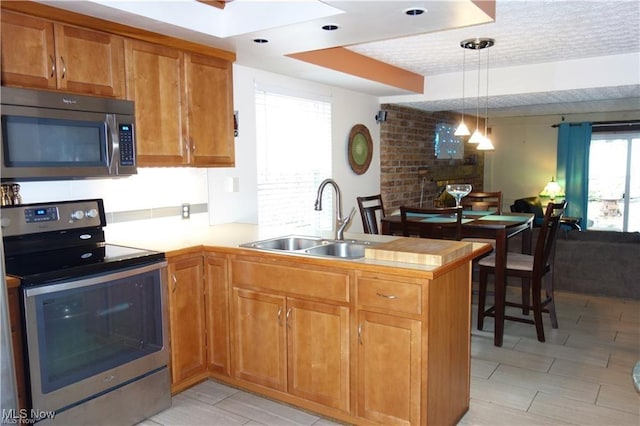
x: 292, y: 345
x: 197, y: 317
x: 363, y: 344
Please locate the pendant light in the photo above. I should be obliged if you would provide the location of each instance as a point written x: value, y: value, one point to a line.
x: 462, y: 129
x: 478, y: 44
x: 485, y: 144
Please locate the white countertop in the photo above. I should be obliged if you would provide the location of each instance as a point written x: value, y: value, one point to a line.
x: 174, y: 233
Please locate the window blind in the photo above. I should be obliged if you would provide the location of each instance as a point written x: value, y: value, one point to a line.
x: 294, y: 155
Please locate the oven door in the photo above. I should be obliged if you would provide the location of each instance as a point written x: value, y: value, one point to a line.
x: 88, y: 336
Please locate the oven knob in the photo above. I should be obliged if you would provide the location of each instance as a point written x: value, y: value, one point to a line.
x: 77, y: 215
x: 92, y: 213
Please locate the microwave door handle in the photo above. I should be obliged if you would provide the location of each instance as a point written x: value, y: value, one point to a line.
x: 112, y: 141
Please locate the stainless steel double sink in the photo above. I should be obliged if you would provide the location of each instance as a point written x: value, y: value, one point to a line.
x: 316, y: 246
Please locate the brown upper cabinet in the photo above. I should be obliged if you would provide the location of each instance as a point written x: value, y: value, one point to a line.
x: 183, y: 91
x: 39, y: 53
x: 184, y: 106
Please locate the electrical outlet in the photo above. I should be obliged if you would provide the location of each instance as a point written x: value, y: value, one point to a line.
x: 186, y: 211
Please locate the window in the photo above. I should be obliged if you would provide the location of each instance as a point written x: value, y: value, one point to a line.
x: 294, y: 155
x: 614, y: 182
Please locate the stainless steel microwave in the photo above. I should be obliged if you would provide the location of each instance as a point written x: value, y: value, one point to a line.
x: 53, y: 135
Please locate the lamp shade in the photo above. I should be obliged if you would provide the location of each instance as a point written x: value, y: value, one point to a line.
x: 462, y: 130
x: 485, y: 144
x: 552, y: 190
x: 476, y: 137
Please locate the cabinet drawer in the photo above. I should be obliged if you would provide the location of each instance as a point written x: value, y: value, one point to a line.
x: 390, y: 295
x: 332, y: 285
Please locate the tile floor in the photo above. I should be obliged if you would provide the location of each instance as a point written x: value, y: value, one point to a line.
x: 580, y: 376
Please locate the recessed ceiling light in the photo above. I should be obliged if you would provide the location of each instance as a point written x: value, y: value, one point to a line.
x: 260, y: 40
x: 330, y: 27
x: 415, y: 11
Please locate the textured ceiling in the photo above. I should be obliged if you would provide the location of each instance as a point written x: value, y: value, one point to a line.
x: 550, y: 56
x: 528, y: 32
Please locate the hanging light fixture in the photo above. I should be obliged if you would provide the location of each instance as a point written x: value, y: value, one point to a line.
x: 462, y: 129
x: 478, y: 44
x: 485, y: 143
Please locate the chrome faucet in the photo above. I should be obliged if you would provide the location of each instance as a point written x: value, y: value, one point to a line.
x: 341, y: 222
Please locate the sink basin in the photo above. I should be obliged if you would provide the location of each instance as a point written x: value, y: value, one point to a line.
x: 288, y: 243
x: 348, y: 250
x: 316, y: 246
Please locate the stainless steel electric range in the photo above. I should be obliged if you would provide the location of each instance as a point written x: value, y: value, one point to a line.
x: 93, y: 316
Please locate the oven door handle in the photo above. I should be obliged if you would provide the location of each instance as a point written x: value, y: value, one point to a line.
x: 85, y: 282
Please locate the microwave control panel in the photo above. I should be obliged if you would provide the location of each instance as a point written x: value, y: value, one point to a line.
x: 127, y: 153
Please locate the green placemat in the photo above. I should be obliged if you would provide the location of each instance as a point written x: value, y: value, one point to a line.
x: 440, y: 219
x: 477, y: 212
x: 422, y: 214
x: 503, y: 218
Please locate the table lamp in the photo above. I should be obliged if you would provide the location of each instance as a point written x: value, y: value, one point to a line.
x: 552, y: 190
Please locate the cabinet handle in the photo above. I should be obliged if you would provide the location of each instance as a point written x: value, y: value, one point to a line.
x: 360, y: 333
x: 64, y: 67
x: 280, y: 316
x: 387, y: 296
x: 175, y: 283
x: 288, y: 314
x: 53, y: 65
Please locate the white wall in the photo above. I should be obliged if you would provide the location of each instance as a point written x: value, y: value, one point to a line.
x: 348, y: 108
x: 524, y: 159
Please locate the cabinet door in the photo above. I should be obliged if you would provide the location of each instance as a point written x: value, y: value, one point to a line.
x: 187, y: 318
x: 154, y: 82
x: 89, y: 61
x: 13, y: 301
x: 28, y: 53
x: 318, y: 352
x: 209, y: 85
x: 389, y: 366
x: 217, y: 313
x: 259, y: 326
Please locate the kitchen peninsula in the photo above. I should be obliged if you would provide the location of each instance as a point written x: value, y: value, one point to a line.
x: 363, y: 341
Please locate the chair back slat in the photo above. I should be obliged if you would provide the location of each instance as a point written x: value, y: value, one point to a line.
x: 371, y: 211
x: 413, y: 225
x: 483, y: 201
x: 545, y: 244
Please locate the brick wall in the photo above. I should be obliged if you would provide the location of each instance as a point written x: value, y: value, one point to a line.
x: 408, y: 165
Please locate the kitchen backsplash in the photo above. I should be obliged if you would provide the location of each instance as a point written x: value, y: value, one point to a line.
x: 150, y: 192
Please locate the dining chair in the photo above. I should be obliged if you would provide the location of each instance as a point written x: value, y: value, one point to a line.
x: 484, y: 201
x: 440, y: 223
x: 371, y: 210
x: 490, y: 201
x: 532, y: 269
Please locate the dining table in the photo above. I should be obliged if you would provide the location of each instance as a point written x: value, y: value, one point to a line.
x: 482, y: 224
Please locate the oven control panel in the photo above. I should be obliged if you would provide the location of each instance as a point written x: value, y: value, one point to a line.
x: 41, y: 214
x: 58, y: 216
